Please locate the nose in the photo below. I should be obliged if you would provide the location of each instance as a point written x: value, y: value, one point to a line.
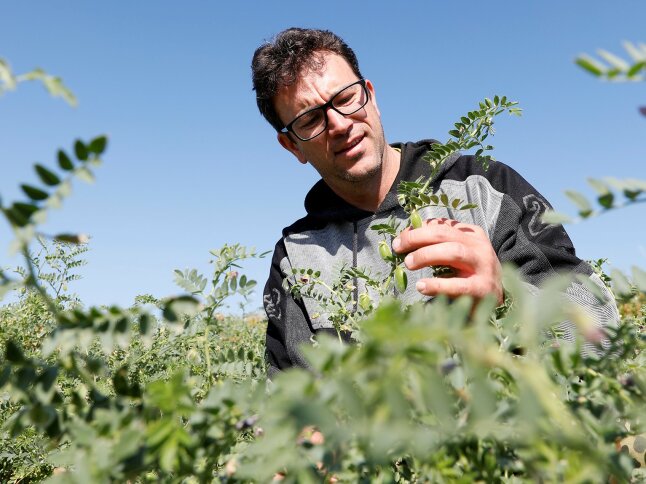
x: 337, y: 123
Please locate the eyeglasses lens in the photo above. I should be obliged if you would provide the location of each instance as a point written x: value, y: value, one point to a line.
x: 348, y: 101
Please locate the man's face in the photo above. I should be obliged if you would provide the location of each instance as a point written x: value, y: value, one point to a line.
x: 351, y: 149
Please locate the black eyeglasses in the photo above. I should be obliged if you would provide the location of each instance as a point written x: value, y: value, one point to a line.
x: 312, y: 123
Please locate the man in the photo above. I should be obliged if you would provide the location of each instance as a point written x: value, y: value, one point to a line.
x: 309, y: 87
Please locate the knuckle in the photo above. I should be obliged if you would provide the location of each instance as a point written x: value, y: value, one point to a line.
x: 460, y: 253
x: 404, y: 236
x: 416, y: 236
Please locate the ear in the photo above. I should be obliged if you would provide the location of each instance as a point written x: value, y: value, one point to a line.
x: 373, y: 98
x: 286, y: 142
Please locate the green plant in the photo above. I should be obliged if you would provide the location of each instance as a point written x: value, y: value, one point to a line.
x: 433, y: 393
x: 53, y: 84
x: 343, y: 307
x: 632, y: 190
x: 172, y: 390
x: 613, y: 67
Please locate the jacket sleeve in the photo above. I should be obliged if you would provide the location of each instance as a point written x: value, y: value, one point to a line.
x: 288, y: 325
x: 541, y: 250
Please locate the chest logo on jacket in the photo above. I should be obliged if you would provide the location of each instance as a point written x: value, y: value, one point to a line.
x: 272, y: 304
x: 537, y: 207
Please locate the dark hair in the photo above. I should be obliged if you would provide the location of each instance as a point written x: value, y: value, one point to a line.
x: 279, y: 63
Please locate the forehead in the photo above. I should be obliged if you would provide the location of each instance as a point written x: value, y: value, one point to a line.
x: 314, y: 86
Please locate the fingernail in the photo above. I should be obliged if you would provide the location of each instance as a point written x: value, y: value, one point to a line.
x: 396, y: 243
x: 420, y: 286
x: 408, y: 260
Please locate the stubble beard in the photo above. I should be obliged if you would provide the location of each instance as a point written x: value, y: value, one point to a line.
x: 373, y: 172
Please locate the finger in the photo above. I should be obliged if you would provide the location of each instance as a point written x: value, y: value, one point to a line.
x: 454, y: 287
x: 452, y: 254
x: 435, y: 232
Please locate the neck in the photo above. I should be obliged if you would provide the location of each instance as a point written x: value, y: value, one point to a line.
x: 368, y: 194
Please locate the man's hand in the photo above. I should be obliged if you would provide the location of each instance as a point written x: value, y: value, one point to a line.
x: 464, y: 247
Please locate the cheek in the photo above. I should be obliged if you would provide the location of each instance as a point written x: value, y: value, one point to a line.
x: 318, y: 149
x: 375, y: 108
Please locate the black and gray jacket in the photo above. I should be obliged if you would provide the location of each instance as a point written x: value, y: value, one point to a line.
x: 335, y: 234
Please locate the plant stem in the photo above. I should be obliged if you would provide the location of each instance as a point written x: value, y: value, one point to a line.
x: 207, y: 355
x: 32, y: 281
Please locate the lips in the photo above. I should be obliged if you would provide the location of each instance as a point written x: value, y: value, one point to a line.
x: 348, y: 146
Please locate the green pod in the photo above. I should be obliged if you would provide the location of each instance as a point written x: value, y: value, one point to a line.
x: 415, y: 219
x: 384, y: 250
x: 364, y: 301
x: 401, y: 279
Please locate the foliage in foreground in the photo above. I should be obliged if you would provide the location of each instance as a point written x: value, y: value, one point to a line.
x: 434, y: 392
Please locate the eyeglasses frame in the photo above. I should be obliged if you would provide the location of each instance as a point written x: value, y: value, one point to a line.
x: 324, y: 107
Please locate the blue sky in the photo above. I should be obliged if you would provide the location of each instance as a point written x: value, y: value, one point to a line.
x: 191, y: 164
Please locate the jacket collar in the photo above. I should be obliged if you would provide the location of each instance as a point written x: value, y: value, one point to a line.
x: 323, y: 204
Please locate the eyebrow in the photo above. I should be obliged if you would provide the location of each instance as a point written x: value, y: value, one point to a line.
x: 312, y: 108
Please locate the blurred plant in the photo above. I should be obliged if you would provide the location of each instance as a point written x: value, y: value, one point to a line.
x: 633, y: 191
x: 431, y: 394
x: 59, y: 259
x: 53, y: 84
x: 614, y: 68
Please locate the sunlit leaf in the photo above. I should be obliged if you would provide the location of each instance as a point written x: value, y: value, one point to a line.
x: 615, y: 61
x: 590, y: 65
x: 634, y: 52
x: 620, y: 282
x: 56, y: 88
x: 552, y: 217
x: 468, y: 206
x: 599, y: 186
x: 636, y: 68
x: 39, y: 216
x: 85, y: 174
x: 580, y: 201
x: 639, y: 278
